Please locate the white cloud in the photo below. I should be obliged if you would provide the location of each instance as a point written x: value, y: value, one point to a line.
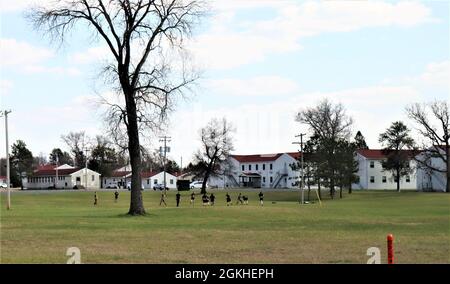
x: 25, y: 57
x: 15, y: 53
x: 437, y: 73
x: 231, y: 41
x: 19, y: 5
x: 90, y: 55
x: 256, y: 86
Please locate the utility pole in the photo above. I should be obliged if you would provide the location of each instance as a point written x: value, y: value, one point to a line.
x: 8, y: 177
x: 57, y: 165
x: 302, y: 176
x: 86, y: 169
x: 164, y: 139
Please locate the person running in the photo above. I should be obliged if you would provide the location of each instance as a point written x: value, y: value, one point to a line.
x: 205, y: 199
x: 261, y: 198
x: 228, y: 199
x: 239, y: 199
x: 192, y: 198
x: 212, y: 198
x: 116, y: 196
x: 178, y: 198
x: 163, y: 196
x: 95, y: 198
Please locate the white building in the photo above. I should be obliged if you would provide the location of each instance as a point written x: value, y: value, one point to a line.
x: 260, y: 170
x: 118, y: 178
x: 373, y: 176
x: 150, y: 179
x: 432, y: 180
x: 64, y: 177
x: 121, y: 177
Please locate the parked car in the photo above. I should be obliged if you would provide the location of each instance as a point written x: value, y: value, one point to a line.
x: 159, y: 186
x: 197, y: 184
x: 112, y: 185
x: 129, y: 186
x: 3, y: 185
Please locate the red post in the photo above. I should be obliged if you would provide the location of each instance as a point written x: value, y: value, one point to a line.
x: 390, y: 248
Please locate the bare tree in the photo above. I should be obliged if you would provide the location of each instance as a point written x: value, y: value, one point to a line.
x: 78, y: 143
x: 436, y: 133
x: 217, y: 144
x: 141, y: 36
x: 330, y: 125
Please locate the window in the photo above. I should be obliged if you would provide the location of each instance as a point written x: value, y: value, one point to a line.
x: 408, y: 179
x: 249, y: 167
x: 148, y: 181
x: 271, y: 178
x: 171, y: 181
x: 264, y: 167
x: 78, y: 179
x: 243, y: 168
x: 264, y: 179
x: 256, y: 166
x: 384, y: 179
x: 271, y: 167
x: 372, y: 179
x: 372, y: 164
x: 93, y: 178
x: 395, y: 179
x: 155, y: 181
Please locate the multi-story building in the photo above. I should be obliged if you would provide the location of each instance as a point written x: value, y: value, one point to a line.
x: 372, y: 175
x: 259, y: 170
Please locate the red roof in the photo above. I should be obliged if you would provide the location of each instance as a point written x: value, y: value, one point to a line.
x: 47, y: 167
x: 263, y: 157
x: 62, y: 172
x: 378, y: 154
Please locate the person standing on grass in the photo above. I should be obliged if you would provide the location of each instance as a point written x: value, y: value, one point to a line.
x: 116, y: 196
x: 205, y: 199
x: 261, y: 198
x: 95, y: 198
x: 178, y: 198
x: 239, y: 199
x: 192, y: 199
x: 228, y: 199
x: 212, y: 198
x: 163, y: 196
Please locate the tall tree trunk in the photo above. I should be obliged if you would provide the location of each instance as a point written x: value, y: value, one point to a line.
x: 332, y: 189
x: 136, y: 204
x: 398, y: 179
x: 206, y: 177
x: 340, y: 191
x: 350, y: 188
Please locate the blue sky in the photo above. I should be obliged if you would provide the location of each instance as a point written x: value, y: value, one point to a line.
x: 262, y: 61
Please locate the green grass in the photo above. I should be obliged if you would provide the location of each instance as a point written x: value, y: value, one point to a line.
x: 41, y: 226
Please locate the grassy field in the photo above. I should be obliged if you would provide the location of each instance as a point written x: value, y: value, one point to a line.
x: 41, y: 226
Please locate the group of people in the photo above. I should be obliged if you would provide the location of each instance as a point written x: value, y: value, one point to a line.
x: 206, y: 200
